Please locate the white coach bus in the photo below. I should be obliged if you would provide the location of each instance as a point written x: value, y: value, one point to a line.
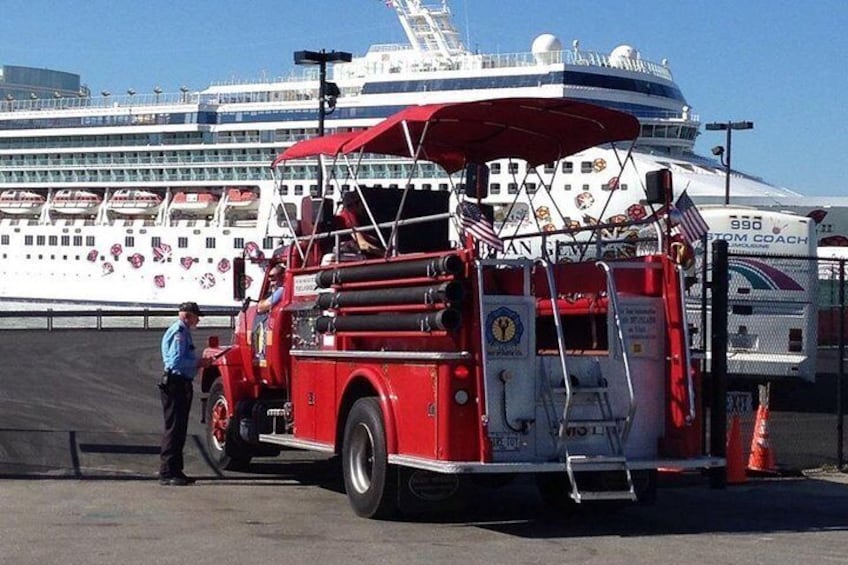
x: 773, y: 291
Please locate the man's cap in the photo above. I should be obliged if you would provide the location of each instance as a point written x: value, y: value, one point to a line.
x: 191, y: 308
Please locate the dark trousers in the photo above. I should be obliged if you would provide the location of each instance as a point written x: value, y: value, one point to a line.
x: 176, y: 403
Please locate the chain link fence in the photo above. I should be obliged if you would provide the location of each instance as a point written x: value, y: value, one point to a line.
x: 786, y: 328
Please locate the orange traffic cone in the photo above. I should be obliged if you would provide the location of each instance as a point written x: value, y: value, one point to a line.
x: 761, y: 459
x: 735, y: 457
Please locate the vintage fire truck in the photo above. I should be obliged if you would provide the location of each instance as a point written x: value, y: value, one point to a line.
x: 444, y: 358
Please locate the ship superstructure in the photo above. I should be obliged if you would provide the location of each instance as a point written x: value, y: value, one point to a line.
x: 145, y: 198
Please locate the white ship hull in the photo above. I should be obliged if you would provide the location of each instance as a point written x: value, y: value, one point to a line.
x: 226, y: 136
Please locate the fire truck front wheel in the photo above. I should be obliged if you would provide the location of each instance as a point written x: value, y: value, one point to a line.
x: 222, y: 439
x: 371, y: 486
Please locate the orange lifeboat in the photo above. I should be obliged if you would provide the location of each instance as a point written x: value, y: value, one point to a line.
x: 133, y: 202
x: 21, y: 202
x: 75, y: 202
x: 195, y: 203
x: 242, y: 199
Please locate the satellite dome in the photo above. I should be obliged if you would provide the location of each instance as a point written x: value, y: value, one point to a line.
x: 622, y: 55
x: 544, y: 46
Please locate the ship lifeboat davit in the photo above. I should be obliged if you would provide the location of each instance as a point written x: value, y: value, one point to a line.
x: 195, y: 203
x: 242, y: 199
x: 21, y: 202
x: 75, y: 202
x: 133, y: 202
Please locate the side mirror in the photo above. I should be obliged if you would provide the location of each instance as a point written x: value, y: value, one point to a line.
x: 238, y: 279
x: 659, y: 188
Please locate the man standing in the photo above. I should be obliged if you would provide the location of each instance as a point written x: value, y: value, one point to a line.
x: 180, y: 364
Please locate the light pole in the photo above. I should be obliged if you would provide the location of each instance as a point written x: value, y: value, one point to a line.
x: 327, y: 91
x: 723, y: 153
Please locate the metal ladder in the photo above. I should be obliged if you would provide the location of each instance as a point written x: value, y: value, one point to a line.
x: 616, y: 428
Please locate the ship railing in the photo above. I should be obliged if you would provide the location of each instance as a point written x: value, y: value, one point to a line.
x: 51, y: 319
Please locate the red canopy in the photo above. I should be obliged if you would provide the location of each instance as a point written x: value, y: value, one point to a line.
x: 537, y: 130
x: 314, y: 146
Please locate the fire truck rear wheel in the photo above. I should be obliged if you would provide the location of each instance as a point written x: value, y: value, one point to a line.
x: 222, y: 439
x: 370, y: 484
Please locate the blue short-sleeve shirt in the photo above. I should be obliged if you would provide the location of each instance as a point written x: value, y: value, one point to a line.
x: 178, y: 354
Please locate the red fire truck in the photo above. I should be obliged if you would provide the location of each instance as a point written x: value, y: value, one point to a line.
x: 442, y: 358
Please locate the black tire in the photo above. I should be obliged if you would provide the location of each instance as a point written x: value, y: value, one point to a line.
x: 370, y: 484
x: 222, y: 439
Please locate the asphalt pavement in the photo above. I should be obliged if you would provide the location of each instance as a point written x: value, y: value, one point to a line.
x: 79, y: 432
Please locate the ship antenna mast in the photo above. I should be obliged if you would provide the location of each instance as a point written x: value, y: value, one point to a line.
x: 429, y: 29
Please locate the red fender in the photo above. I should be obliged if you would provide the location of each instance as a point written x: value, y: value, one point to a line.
x: 384, y: 395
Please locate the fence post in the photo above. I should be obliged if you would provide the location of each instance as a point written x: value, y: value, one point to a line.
x: 840, y: 375
x: 718, y: 362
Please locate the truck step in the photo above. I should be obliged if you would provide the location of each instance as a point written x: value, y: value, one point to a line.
x: 581, y: 390
x: 593, y: 495
x: 594, y: 459
x: 600, y: 422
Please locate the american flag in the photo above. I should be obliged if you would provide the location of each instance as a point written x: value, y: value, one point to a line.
x: 478, y: 226
x: 692, y: 224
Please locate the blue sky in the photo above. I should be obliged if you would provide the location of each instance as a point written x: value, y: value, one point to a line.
x: 778, y: 63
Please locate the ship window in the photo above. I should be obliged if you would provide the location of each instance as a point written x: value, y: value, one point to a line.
x: 4, y: 240
x: 426, y: 186
x: 268, y: 242
x: 495, y: 188
x: 284, y: 189
x: 77, y: 241
x: 155, y: 242
x: 39, y: 240
x: 443, y: 186
x: 512, y: 188
x: 567, y: 187
x: 531, y: 187
x: 585, y: 187
x: 567, y: 167
x: 513, y: 168
x: 345, y: 187
x: 622, y: 186
x: 238, y: 243
x: 298, y: 190
x: 549, y: 167
x: 182, y: 242
x: 495, y: 169
x: 586, y: 166
x: 89, y: 240
x: 210, y: 243
x: 129, y: 241
x: 66, y: 240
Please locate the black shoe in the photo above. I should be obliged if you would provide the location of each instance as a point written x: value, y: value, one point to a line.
x: 173, y: 481
x: 188, y: 480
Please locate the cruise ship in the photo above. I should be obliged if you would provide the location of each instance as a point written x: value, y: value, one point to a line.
x: 144, y: 199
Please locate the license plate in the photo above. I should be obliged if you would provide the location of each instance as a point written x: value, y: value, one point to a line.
x: 505, y: 442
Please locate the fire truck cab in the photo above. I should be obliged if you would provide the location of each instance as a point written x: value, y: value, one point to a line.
x: 443, y: 358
